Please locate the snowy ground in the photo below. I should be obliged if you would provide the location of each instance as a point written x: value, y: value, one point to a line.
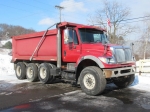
x: 7, y: 73
x: 5, y: 41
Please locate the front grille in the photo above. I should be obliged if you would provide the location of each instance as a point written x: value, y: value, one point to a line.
x: 123, y: 54
x: 125, y: 71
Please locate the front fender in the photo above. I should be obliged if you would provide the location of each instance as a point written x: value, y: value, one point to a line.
x: 95, y: 59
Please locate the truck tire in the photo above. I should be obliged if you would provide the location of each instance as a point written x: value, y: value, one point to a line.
x: 124, y: 81
x: 52, y: 78
x: 32, y: 72
x: 20, y: 70
x: 92, y: 80
x: 44, y: 73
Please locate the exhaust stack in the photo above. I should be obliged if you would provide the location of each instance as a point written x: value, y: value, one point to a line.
x: 59, y: 48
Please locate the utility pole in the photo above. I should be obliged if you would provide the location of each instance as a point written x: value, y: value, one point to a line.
x: 59, y: 8
x: 146, y: 42
x: 145, y: 48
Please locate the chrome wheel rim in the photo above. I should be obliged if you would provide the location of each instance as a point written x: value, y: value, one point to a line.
x: 43, y: 73
x: 30, y: 72
x: 18, y: 71
x: 89, y: 81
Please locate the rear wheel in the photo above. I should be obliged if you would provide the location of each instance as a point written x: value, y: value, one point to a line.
x: 20, y: 70
x: 92, y: 80
x: 32, y: 72
x: 52, y: 78
x: 44, y: 73
x: 124, y: 81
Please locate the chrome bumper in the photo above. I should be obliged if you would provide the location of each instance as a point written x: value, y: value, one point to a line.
x: 117, y: 72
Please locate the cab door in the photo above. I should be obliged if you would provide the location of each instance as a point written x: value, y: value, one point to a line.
x: 71, y: 47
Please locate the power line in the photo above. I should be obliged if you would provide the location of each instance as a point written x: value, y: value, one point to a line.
x: 14, y: 7
x: 30, y: 15
x: 34, y: 5
x: 43, y: 3
x: 26, y: 16
x: 19, y: 9
x: 130, y: 20
x: 136, y: 18
x: 29, y: 5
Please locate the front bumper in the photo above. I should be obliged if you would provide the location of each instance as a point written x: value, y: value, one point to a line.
x: 117, y: 72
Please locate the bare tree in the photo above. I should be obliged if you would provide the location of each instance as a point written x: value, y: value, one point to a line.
x: 146, y: 40
x: 117, y: 14
x: 142, y: 44
x: 7, y: 31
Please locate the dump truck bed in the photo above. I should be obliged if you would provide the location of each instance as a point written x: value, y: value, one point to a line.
x: 25, y: 45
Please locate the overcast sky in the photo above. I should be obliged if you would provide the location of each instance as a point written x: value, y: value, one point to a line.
x: 39, y: 14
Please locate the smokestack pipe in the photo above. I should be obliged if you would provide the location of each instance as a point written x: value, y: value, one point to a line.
x: 59, y: 48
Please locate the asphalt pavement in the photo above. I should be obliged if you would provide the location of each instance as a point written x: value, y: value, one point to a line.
x: 17, y: 94
x: 62, y: 97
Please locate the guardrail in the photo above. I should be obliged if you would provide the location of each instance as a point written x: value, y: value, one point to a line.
x: 143, y: 66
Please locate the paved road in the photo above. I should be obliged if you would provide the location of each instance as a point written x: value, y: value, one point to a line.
x: 60, y: 97
x: 16, y: 94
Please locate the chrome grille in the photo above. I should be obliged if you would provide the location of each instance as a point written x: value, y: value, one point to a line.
x: 122, y: 54
x: 128, y: 55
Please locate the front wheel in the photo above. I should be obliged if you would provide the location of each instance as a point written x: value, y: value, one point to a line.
x: 124, y: 81
x: 92, y: 80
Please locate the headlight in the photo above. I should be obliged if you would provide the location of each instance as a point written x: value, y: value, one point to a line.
x: 103, y: 59
x: 111, y: 60
x: 108, y: 60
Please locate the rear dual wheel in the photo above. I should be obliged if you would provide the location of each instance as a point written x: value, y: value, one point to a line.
x: 32, y: 72
x: 53, y: 79
x: 44, y: 73
x: 20, y: 70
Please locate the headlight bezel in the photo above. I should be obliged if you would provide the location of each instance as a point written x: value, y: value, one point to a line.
x: 108, y: 60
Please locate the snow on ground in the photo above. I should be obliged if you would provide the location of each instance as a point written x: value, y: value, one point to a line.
x: 5, y: 51
x: 5, y: 66
x: 142, y: 82
x: 7, y: 73
x: 3, y: 42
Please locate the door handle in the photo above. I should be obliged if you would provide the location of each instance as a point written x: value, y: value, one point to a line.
x: 74, y: 47
x: 64, y: 53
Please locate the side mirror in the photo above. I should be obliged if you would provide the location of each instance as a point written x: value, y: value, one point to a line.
x: 67, y: 36
x: 107, y: 37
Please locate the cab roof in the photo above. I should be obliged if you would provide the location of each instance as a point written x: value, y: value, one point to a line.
x: 62, y: 24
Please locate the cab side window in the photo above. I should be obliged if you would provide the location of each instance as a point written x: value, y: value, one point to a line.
x: 75, y: 38
x: 70, y: 36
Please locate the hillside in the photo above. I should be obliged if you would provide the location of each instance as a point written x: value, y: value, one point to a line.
x: 7, y: 31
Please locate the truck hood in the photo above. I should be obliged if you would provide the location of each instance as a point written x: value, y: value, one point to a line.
x: 100, y: 46
x: 97, y: 49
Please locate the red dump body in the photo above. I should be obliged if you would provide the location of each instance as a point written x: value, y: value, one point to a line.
x: 24, y: 46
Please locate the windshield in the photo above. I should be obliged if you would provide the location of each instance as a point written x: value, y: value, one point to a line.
x: 92, y: 36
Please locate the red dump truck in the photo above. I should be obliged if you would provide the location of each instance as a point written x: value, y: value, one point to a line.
x: 73, y: 52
